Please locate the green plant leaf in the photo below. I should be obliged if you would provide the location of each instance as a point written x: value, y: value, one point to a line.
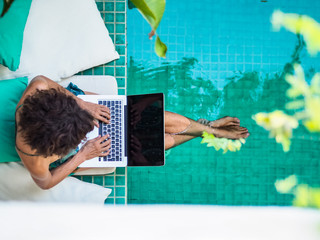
x: 151, y: 10
x: 144, y: 9
x: 160, y: 48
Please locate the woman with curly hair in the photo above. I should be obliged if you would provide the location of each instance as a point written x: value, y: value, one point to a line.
x: 50, y: 123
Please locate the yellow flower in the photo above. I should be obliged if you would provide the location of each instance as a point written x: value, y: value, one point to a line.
x: 311, y: 98
x: 304, y: 195
x: 312, y: 109
x: 286, y: 185
x: 298, y: 83
x: 222, y: 143
x: 280, y: 126
x: 299, y: 24
x: 301, y: 196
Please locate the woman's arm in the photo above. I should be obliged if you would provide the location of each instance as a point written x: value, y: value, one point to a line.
x: 39, y: 166
x: 46, y: 179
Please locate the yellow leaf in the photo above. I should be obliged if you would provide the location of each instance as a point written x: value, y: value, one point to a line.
x: 280, y: 126
x: 286, y: 185
x: 299, y: 24
x: 221, y: 143
x: 301, y: 196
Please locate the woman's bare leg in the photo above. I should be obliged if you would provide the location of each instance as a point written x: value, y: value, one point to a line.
x: 176, y: 124
x: 175, y: 140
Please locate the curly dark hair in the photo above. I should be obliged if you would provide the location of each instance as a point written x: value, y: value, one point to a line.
x: 52, y: 122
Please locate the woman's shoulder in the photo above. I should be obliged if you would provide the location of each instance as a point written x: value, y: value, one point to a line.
x: 38, y: 83
x: 38, y: 166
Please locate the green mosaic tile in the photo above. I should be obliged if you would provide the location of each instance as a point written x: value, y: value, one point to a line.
x: 120, y: 7
x: 87, y: 179
x: 109, y: 180
x: 98, y: 180
x: 112, y: 36
x: 110, y: 27
x: 121, y: 170
x: 121, y: 49
x: 88, y: 72
x: 121, y: 92
x: 121, y: 82
x: 112, y: 191
x: 109, y: 6
x: 120, y: 180
x: 100, y: 6
x: 120, y: 28
x: 111, y: 63
x: 120, y: 201
x: 109, y: 17
x: 109, y: 71
x: 121, y: 61
x: 98, y: 70
x: 120, y: 39
x: 120, y: 17
x: 107, y: 10
x: 120, y: 71
x: 109, y: 201
x: 120, y: 191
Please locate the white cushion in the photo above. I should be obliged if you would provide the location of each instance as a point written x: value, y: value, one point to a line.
x: 61, y: 38
x: 16, y: 184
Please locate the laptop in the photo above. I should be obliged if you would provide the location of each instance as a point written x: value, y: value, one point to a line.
x: 136, y: 130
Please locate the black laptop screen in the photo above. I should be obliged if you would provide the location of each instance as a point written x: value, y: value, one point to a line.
x: 145, y: 130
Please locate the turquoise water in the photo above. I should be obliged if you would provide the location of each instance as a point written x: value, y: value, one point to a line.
x: 223, y: 59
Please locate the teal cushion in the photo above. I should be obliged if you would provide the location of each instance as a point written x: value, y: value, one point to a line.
x: 12, y: 25
x: 10, y: 94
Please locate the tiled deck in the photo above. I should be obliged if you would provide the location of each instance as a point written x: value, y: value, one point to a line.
x: 114, y: 14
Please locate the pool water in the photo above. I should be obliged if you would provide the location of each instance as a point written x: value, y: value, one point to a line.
x: 223, y: 60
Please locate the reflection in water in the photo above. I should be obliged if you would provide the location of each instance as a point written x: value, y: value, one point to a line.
x: 194, y: 97
x: 196, y: 174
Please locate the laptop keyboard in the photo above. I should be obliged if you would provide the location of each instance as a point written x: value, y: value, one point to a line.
x: 113, y: 129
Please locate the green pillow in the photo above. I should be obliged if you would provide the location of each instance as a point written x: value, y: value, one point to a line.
x: 11, y: 32
x: 10, y: 94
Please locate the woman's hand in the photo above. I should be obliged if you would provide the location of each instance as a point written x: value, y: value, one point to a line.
x: 99, y: 112
x: 97, y: 147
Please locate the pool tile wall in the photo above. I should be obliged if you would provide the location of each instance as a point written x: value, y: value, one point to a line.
x: 223, y: 59
x: 113, y: 13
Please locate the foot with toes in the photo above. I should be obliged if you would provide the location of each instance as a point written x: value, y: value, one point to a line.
x: 226, y: 127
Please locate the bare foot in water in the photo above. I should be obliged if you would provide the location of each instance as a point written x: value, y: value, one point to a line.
x: 222, y: 122
x: 231, y: 132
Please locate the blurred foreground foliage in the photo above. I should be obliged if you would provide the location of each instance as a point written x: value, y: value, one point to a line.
x: 222, y: 143
x: 304, y: 97
x: 304, y: 195
x: 152, y: 11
